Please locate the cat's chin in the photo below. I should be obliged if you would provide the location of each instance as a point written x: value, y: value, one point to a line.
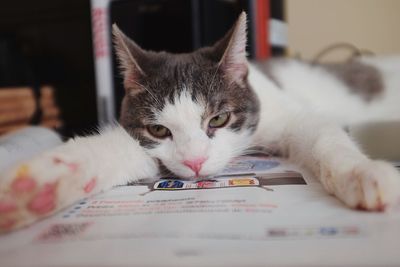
x: 189, y: 177
x: 192, y: 178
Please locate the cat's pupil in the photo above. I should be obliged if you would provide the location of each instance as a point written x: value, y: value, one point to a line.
x: 219, y: 120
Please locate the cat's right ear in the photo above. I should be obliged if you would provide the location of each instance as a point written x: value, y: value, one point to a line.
x: 129, y: 55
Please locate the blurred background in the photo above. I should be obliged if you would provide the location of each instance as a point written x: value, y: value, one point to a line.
x: 57, y: 67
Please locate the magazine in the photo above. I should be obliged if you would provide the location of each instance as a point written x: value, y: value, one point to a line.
x: 260, y: 211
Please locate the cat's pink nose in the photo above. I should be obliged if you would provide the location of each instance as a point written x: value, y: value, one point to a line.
x: 195, y: 164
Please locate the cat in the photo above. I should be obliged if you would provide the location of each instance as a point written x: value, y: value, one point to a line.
x: 192, y: 113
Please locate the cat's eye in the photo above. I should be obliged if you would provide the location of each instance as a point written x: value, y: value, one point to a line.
x: 158, y: 131
x: 219, y: 121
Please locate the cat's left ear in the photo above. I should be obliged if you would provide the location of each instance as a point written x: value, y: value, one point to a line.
x: 130, y: 55
x: 233, y: 49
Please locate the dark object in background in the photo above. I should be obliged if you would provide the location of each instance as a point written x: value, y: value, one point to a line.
x: 51, y: 44
x: 277, y: 12
x: 20, y: 107
x: 14, y: 69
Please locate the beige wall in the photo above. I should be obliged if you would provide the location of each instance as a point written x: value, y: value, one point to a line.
x: 368, y: 24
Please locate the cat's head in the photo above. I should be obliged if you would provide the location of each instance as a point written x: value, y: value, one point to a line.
x: 193, y: 112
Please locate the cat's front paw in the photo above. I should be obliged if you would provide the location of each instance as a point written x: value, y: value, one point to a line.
x: 368, y: 185
x: 38, y: 189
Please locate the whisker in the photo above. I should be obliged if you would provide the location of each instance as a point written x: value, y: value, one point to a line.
x: 213, y: 79
x: 148, y: 90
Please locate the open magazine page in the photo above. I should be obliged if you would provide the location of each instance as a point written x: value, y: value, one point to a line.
x: 260, y: 211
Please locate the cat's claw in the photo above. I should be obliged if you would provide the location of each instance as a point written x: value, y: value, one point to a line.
x: 369, y: 185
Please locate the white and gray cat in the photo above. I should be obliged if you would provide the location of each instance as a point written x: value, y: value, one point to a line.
x: 192, y: 113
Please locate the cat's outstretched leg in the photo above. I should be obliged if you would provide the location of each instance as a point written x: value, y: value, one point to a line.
x: 329, y: 154
x: 351, y: 176
x: 80, y: 168
x: 342, y: 168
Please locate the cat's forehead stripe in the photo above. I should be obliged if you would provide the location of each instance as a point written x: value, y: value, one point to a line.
x: 181, y: 112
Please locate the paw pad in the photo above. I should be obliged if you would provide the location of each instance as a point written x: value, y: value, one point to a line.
x: 44, y: 201
x: 90, y: 185
x: 6, y: 207
x: 7, y: 224
x: 23, y: 184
